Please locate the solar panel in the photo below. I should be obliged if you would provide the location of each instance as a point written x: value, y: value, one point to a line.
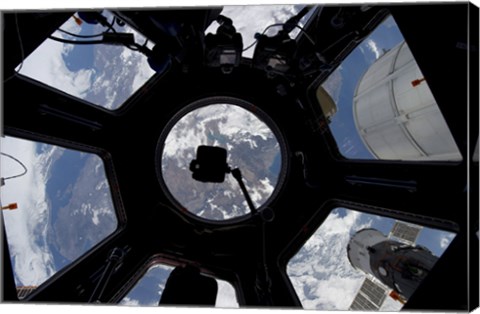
x: 407, y: 233
x: 370, y: 297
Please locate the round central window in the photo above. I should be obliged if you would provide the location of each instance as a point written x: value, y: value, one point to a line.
x: 253, y: 145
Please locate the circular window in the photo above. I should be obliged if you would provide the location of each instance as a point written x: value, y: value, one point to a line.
x: 253, y: 145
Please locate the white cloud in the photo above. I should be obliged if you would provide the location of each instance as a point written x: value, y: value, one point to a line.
x: 95, y: 218
x: 143, y: 74
x: 129, y: 302
x: 143, y: 70
x: 26, y: 227
x: 233, y: 121
x: 251, y: 19
x: 46, y: 64
x: 320, y: 272
x: 390, y: 305
x: 227, y: 126
x: 325, y: 293
x: 226, y: 297
x: 445, y: 239
x: 267, y: 188
x: 374, y: 48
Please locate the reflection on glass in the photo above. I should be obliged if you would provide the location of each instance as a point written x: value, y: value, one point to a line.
x: 64, y: 208
x: 385, y: 107
x: 149, y: 289
x: 104, y: 75
x: 251, y: 145
x: 364, y: 262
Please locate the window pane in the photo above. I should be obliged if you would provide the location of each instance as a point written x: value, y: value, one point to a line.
x: 385, y: 109
x: 252, y: 146
x: 333, y: 270
x: 64, y: 208
x: 251, y: 19
x: 149, y: 289
x: 105, y: 75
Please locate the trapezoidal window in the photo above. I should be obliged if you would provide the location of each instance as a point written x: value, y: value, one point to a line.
x: 379, y: 105
x: 60, y: 207
x: 253, y: 143
x: 268, y: 19
x: 359, y: 261
x: 149, y: 289
x: 104, y: 75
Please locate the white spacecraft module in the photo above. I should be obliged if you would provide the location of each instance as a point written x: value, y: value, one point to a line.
x: 396, y: 114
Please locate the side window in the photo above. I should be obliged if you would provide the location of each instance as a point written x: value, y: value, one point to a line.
x: 359, y: 261
x: 104, y: 75
x: 379, y: 104
x: 149, y: 289
x: 56, y: 205
x: 265, y: 17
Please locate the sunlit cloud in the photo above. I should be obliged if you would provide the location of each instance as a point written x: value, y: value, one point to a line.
x: 445, y: 240
x: 26, y: 227
x: 47, y: 65
x: 107, y: 82
x: 251, y: 19
x: 226, y: 297
x: 374, y: 48
x: 320, y: 271
x: 130, y: 302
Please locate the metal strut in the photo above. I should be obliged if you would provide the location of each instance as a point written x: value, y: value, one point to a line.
x: 116, y: 257
x: 238, y: 175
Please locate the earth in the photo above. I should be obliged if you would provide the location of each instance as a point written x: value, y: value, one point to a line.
x: 251, y: 145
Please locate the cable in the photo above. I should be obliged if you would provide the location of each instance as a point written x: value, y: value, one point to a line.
x: 25, y: 170
x: 263, y: 33
x: 273, y: 25
x: 79, y: 36
x: 306, y: 34
x: 336, y: 42
x: 110, y: 26
x: 134, y: 46
x: 22, y: 52
x: 251, y: 45
x: 77, y: 42
x: 281, y: 24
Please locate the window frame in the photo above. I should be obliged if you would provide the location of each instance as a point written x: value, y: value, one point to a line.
x: 324, y: 211
x: 116, y: 198
x: 326, y: 132
x: 161, y: 259
x: 251, y: 108
x: 122, y: 108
